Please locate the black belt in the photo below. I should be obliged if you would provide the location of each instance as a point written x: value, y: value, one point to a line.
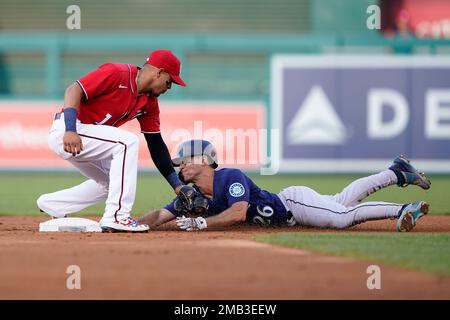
x: 289, y: 215
x: 58, y: 115
x: 291, y: 220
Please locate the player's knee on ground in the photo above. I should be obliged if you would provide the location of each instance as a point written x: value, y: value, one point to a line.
x: 41, y: 202
x: 44, y: 203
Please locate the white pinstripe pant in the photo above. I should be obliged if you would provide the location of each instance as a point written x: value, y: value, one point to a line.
x: 343, y: 209
x: 109, y: 159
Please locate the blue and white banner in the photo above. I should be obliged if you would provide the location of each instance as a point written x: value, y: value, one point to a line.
x: 341, y: 113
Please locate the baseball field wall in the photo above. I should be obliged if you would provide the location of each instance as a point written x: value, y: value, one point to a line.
x: 317, y: 115
x: 235, y: 129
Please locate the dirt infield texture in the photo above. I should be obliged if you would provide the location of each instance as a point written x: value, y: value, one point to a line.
x: 196, y: 265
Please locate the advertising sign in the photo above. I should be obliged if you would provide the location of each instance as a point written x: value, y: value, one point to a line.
x: 232, y: 127
x: 356, y: 113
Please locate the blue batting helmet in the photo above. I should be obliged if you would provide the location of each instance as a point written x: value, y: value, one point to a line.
x: 191, y: 148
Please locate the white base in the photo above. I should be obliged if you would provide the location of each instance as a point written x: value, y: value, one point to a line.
x: 70, y: 225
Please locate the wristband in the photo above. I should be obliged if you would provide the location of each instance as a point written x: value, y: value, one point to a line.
x: 173, y: 180
x: 70, y: 119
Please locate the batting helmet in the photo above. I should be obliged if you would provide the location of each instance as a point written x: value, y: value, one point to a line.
x: 191, y: 148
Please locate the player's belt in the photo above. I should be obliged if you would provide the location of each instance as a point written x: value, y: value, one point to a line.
x: 290, y: 219
x: 289, y: 215
x: 58, y: 115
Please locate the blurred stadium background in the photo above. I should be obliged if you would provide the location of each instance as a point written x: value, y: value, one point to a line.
x: 226, y: 48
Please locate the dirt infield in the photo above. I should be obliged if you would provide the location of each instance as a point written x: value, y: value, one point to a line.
x: 195, y: 265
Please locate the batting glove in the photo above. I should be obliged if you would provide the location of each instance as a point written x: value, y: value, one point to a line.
x: 191, y: 224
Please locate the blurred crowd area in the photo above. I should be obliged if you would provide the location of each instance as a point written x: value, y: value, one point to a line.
x: 225, y: 46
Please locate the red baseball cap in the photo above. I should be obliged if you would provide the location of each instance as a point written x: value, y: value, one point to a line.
x: 166, y: 60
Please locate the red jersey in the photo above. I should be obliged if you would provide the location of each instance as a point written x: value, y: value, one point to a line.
x: 112, y: 98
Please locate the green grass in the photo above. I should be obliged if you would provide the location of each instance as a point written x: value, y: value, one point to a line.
x: 19, y: 191
x: 427, y: 252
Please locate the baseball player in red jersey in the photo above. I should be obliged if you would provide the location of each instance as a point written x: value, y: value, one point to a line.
x: 86, y: 134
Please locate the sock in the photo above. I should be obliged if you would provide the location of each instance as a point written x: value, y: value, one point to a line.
x: 401, y: 210
x: 400, y: 177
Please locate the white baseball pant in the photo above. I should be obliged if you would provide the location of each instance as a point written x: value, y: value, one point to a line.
x: 343, y: 209
x: 109, y: 159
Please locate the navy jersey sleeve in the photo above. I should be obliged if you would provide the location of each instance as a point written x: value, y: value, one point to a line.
x: 236, y: 187
x: 171, y: 207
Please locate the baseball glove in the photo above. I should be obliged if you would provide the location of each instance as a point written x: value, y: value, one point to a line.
x: 191, y: 203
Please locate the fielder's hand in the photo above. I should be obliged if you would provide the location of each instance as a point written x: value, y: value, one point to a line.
x: 190, y: 224
x: 72, y: 143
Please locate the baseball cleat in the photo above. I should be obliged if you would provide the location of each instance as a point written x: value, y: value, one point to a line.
x: 410, y: 214
x: 124, y: 225
x: 407, y: 174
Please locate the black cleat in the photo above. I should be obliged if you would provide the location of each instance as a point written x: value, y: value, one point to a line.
x: 407, y: 174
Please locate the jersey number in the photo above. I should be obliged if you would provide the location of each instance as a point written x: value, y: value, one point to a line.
x: 107, y: 117
x: 265, y: 213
